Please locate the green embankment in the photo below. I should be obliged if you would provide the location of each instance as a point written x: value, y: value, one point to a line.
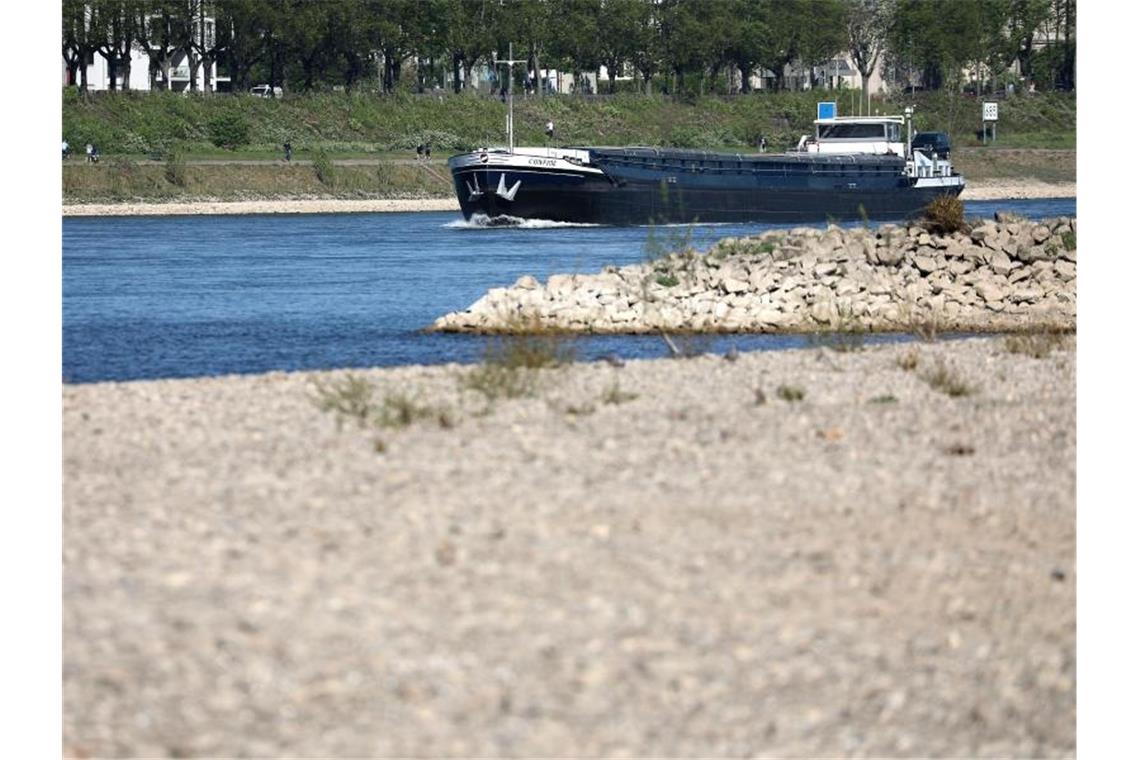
x: 131, y: 127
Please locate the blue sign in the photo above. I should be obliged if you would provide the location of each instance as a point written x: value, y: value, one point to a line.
x: 825, y: 110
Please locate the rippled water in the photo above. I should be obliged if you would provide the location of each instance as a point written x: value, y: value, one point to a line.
x: 149, y: 297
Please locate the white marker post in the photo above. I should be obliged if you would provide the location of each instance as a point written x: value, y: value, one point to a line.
x: 989, y: 121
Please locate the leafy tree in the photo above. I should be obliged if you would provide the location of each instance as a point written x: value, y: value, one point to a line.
x: 307, y: 38
x: 528, y: 23
x: 467, y: 31
x: 1025, y: 18
x: 620, y: 28
x: 685, y: 44
x: 868, y: 24
x: 244, y: 21
x: 825, y: 35
x: 207, y: 41
x: 779, y: 47
x: 159, y: 31
x: 80, y: 40
x: 576, y: 41
x: 648, y: 43
x: 112, y: 26
x: 748, y: 39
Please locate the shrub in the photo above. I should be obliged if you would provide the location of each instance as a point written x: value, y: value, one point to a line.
x: 324, y: 169
x: 510, y: 363
x: 1038, y: 345
x: 399, y: 411
x: 942, y: 378
x: 908, y: 361
x: 350, y: 398
x: 945, y: 214
x: 666, y: 280
x: 175, y: 169
x: 790, y: 393
x: 1070, y: 241
x: 229, y: 130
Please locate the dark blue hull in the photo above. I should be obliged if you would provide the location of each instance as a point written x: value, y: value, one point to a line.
x: 646, y: 186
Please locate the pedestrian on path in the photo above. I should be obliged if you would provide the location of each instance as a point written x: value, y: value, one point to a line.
x: 288, y: 151
x: 549, y: 130
x: 420, y: 152
x: 427, y: 152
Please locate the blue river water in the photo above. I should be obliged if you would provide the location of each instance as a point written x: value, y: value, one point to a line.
x: 154, y: 297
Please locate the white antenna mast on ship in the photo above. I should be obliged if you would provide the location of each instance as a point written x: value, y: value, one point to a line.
x: 510, y: 95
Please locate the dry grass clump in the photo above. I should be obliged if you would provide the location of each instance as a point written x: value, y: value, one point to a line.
x: 944, y: 379
x: 511, y: 362
x: 944, y: 215
x: 908, y: 361
x: 790, y: 393
x: 1038, y: 345
x: 615, y: 395
x: 352, y: 399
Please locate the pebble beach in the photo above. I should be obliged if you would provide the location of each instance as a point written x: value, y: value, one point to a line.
x: 817, y: 552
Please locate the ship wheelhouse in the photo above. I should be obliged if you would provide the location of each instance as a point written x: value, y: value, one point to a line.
x: 859, y: 134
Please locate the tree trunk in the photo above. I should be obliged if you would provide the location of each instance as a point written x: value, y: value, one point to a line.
x: 112, y: 70
x: 538, y: 78
x: 207, y: 79
x: 745, y: 75
x: 125, y: 60
x: 193, y: 61
x: 467, y: 67
x: 456, y: 83
x: 83, y: 75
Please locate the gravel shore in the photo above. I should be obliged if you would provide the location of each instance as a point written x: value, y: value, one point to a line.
x: 988, y: 190
x: 663, y: 558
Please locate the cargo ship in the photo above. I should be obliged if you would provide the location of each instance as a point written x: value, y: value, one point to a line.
x: 850, y: 168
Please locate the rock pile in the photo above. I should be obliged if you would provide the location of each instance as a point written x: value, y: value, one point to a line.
x: 1008, y: 273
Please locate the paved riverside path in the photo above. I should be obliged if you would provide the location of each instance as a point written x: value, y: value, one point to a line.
x: 641, y: 560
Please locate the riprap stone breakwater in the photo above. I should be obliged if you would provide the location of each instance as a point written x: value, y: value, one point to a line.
x: 1005, y: 274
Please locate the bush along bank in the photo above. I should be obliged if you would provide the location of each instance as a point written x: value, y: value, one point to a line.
x: 1004, y: 274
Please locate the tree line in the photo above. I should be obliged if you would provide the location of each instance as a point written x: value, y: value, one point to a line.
x: 691, y: 46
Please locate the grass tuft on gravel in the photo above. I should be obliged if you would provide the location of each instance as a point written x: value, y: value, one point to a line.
x: 349, y: 399
x: 1038, y: 345
x: 946, y: 380
x: 615, y: 395
x: 352, y: 399
x: 511, y: 363
x: 790, y: 393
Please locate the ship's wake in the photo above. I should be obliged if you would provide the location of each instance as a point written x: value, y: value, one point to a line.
x: 484, y: 222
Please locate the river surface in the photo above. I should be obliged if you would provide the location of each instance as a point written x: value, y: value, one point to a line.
x: 188, y: 296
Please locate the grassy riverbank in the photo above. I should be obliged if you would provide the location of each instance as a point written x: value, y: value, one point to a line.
x: 141, y: 124
x: 367, y: 139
